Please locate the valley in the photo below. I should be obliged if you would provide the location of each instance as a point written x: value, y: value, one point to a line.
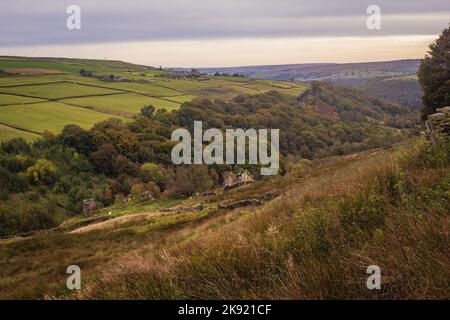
x: 357, y: 184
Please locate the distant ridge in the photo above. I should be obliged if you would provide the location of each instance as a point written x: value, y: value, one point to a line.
x: 323, y: 71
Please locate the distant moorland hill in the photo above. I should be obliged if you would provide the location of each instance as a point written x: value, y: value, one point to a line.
x: 395, y: 81
x: 324, y: 71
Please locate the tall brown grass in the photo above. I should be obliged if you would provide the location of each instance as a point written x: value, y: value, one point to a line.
x: 315, y: 241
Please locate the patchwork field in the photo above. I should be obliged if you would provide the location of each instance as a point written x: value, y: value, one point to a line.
x: 180, y: 99
x: 57, y: 90
x: 49, y: 93
x: 148, y: 89
x: 51, y: 116
x: 6, y: 99
x: 126, y: 104
x: 8, y: 64
x: 7, y: 133
x: 11, y: 81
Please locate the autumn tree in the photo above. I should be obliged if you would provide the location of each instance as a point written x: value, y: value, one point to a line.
x: 103, y: 158
x: 187, y: 180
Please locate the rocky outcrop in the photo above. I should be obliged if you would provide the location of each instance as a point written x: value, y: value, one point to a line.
x: 242, y: 203
x: 270, y: 195
x: 184, y: 209
x: 89, y: 206
x: 207, y: 193
x: 438, y: 125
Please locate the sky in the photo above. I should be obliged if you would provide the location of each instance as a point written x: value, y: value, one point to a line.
x: 213, y: 33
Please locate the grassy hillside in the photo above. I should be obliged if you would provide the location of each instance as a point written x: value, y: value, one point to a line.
x: 331, y: 219
x: 57, y: 80
x: 394, y: 81
x: 404, y: 90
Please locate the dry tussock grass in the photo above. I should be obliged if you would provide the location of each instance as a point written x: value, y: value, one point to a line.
x: 316, y: 240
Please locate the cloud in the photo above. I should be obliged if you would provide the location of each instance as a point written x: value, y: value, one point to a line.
x: 30, y: 22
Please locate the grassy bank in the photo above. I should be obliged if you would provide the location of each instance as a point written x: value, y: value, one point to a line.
x: 316, y: 241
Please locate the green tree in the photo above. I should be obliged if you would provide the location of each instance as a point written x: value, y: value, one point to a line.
x: 74, y: 136
x: 44, y: 171
x: 151, y: 172
x: 434, y: 75
x: 148, y: 111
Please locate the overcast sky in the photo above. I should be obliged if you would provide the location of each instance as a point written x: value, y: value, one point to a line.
x: 222, y: 33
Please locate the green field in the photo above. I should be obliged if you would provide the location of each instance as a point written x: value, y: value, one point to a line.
x: 183, y: 85
x: 37, y: 64
x: 180, y: 99
x: 39, y: 102
x: 68, y: 64
x: 6, y: 99
x: 56, y: 90
x: 20, y: 80
x: 52, y: 116
x: 8, y: 133
x: 149, y: 89
x: 126, y: 104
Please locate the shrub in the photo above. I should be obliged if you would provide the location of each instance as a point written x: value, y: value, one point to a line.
x: 151, y: 172
x: 43, y: 172
x: 188, y: 180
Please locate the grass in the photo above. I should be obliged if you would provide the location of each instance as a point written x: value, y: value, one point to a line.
x: 155, y: 205
x: 57, y: 90
x: 142, y: 88
x: 6, y: 99
x: 37, y: 64
x: 69, y: 64
x: 18, y: 80
x: 126, y: 104
x: 225, y: 93
x: 182, y: 85
x: 51, y: 116
x: 315, y: 241
x: 7, y: 133
x: 180, y: 99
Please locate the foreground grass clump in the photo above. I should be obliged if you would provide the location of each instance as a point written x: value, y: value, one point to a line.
x: 315, y: 242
